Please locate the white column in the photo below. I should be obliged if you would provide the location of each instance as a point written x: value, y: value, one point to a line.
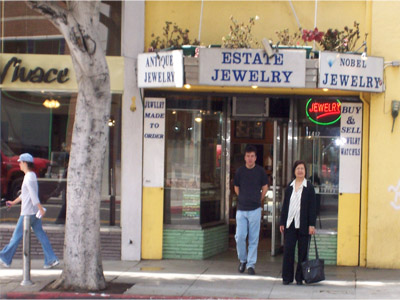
x: 132, y: 132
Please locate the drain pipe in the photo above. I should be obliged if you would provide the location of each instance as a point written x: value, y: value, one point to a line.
x: 295, y: 15
x: 26, y: 275
x: 315, y: 18
x: 201, y: 20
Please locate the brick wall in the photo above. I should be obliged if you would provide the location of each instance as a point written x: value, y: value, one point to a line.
x: 327, y: 247
x: 110, y: 241
x: 194, y: 243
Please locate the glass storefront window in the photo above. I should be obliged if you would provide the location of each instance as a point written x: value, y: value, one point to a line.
x: 28, y: 126
x: 193, y: 163
x: 319, y: 148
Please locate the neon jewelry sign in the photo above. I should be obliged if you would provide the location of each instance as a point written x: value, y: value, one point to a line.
x: 323, y: 112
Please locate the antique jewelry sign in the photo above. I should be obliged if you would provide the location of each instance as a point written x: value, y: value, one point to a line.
x: 252, y: 67
x: 160, y: 69
x: 350, y: 72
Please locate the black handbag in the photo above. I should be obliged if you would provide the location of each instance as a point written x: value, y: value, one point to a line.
x: 313, y: 270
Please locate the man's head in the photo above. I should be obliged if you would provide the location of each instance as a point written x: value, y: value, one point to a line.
x: 250, y: 156
x: 26, y: 158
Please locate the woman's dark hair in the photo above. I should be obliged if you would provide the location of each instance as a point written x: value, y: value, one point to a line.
x: 299, y: 162
x: 30, y: 165
x: 250, y: 148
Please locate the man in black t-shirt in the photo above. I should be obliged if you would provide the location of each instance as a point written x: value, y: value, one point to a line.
x: 251, y: 185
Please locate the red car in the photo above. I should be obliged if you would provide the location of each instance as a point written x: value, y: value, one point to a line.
x: 12, y: 176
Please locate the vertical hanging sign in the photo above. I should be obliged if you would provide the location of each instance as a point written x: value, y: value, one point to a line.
x: 350, y: 148
x: 154, y: 142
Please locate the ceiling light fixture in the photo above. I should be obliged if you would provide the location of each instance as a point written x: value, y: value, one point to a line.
x: 51, y: 103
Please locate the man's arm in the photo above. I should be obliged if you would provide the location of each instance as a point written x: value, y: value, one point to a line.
x: 264, y: 190
x: 236, y: 190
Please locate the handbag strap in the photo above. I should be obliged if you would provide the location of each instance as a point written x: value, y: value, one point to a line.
x: 315, y: 245
x: 308, y: 248
x: 316, y: 249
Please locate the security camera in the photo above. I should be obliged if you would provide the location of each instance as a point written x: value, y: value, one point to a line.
x: 267, y: 47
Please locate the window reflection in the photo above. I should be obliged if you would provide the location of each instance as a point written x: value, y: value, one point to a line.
x: 28, y: 126
x: 319, y: 147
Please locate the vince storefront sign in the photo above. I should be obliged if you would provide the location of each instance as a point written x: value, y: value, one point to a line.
x: 161, y: 69
x: 39, y: 72
x: 249, y: 67
x: 350, y: 72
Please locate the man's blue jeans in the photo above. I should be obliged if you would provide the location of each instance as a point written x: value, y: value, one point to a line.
x: 248, y: 223
x: 9, y: 250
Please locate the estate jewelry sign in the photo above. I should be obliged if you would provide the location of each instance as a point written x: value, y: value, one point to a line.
x: 350, y: 72
x: 160, y: 69
x: 154, y: 141
x: 350, y: 148
x: 249, y: 67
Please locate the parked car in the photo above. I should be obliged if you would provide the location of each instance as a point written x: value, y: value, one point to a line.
x: 12, y: 176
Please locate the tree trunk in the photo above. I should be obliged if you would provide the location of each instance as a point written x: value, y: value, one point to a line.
x: 78, y: 22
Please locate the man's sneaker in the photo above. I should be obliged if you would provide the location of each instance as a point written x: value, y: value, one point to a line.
x: 3, y: 263
x: 251, y: 271
x: 242, y: 267
x: 53, y: 264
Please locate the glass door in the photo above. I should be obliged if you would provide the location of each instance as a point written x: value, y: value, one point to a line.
x: 278, y: 184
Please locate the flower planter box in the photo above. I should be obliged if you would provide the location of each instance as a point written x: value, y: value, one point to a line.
x: 307, y: 48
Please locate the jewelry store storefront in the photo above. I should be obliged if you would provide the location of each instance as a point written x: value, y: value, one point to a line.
x: 200, y: 120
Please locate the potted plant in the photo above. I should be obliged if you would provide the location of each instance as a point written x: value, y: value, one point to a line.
x: 240, y: 35
x: 341, y: 40
x: 297, y: 40
x: 173, y: 37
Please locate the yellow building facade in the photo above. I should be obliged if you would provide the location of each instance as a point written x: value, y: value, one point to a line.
x: 368, y: 221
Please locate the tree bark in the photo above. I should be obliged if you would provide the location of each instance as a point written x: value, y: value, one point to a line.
x: 78, y: 22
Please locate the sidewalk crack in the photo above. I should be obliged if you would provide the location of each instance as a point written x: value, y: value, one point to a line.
x: 194, y: 281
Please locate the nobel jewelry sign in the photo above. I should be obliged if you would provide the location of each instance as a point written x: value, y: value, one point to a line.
x: 161, y: 69
x: 252, y: 67
x: 350, y: 72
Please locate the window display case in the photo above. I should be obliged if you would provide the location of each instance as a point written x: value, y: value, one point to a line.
x: 322, y: 156
x: 193, y: 192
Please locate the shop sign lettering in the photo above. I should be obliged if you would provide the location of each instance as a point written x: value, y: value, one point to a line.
x: 249, y: 67
x: 162, y: 69
x: 323, y: 112
x: 350, y: 72
x: 154, y: 142
x: 350, y: 147
x: 36, y: 75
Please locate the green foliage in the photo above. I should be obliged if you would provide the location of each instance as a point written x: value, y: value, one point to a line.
x: 173, y: 37
x: 240, y: 35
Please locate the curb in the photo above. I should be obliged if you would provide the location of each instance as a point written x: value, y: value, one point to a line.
x: 72, y: 295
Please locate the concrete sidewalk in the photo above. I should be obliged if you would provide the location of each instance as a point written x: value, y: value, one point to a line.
x: 216, y: 277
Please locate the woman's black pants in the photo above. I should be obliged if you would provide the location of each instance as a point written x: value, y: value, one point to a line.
x: 291, y: 236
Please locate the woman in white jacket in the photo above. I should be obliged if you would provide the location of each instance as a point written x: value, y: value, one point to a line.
x: 30, y: 205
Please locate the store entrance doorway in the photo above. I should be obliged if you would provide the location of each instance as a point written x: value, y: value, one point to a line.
x: 270, y: 138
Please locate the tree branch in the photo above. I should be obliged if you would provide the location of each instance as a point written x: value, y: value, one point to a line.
x: 51, y: 10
